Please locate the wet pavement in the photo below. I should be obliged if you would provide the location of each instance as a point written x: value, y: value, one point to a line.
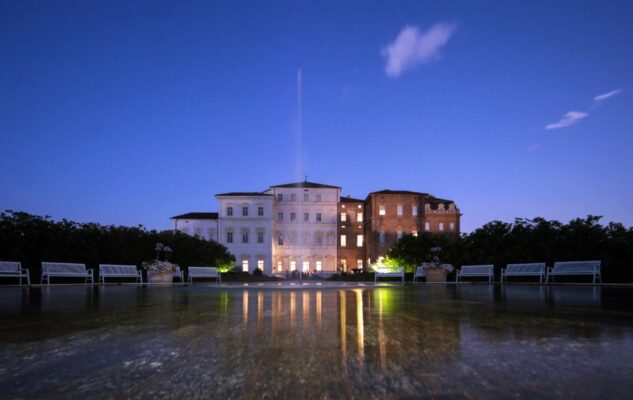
x: 467, y: 341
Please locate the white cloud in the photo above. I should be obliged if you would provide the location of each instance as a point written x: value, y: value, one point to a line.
x: 604, y: 96
x: 413, y: 47
x: 569, y: 119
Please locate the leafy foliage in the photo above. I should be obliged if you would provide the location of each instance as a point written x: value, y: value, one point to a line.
x: 32, y: 239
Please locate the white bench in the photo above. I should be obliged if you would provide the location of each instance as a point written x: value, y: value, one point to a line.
x: 178, y: 274
x: 119, y: 271
x: 385, y: 272
x: 575, y: 268
x: 531, y: 269
x: 476, y: 271
x: 13, y: 269
x: 420, y: 272
x: 203, y: 272
x: 51, y: 269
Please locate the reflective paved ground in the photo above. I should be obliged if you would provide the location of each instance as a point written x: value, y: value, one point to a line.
x: 468, y: 341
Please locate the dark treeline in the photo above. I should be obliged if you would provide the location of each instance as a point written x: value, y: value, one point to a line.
x: 32, y: 239
x: 529, y: 240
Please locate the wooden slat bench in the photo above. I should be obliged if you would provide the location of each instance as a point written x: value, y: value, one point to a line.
x: 530, y: 269
x: 476, y: 271
x: 51, y: 269
x: 575, y: 268
x: 13, y: 269
x: 384, y: 272
x: 119, y: 271
x: 420, y: 272
x: 203, y: 272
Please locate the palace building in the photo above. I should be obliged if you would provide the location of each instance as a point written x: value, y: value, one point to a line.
x: 307, y: 226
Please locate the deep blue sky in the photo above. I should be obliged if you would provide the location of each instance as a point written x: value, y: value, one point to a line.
x: 130, y: 112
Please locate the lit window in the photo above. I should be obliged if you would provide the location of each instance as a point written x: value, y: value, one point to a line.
x: 441, y: 226
x: 306, y: 217
x: 343, y: 217
x: 452, y: 226
x: 427, y: 226
x: 293, y: 216
x: 306, y: 197
x: 306, y: 266
x: 280, y: 197
x: 260, y: 264
x: 359, y: 217
x: 229, y: 211
x: 318, y: 217
x: 293, y: 197
x: 280, y: 266
x: 293, y: 265
x: 414, y: 233
x: 399, y: 235
x: 359, y: 240
x: 360, y: 206
x: 245, y: 236
x: 318, y: 197
x: 260, y: 236
x: 399, y: 210
x: 280, y: 216
x: 319, y: 239
x: 229, y: 237
x: 342, y: 205
x: 260, y: 211
x: 245, y: 265
x: 318, y: 265
x: 344, y: 264
x: 381, y: 209
x: 244, y: 211
x: 359, y: 263
x: 343, y: 240
x: 414, y: 210
x: 381, y: 237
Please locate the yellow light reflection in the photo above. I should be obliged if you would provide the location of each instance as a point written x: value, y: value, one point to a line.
x: 343, y: 325
x: 305, y: 311
x: 293, y: 310
x: 245, y: 307
x: 318, y: 309
x: 360, y: 324
x: 260, y: 309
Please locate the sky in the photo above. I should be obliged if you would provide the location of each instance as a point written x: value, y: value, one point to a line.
x: 129, y: 113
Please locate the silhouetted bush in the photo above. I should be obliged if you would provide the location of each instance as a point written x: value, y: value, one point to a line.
x: 257, y: 272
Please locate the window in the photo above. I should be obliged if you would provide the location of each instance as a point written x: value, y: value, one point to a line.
x: 399, y: 235
x: 306, y: 197
x: 381, y: 209
x: 359, y: 217
x: 319, y: 238
x: 280, y: 216
x: 229, y: 237
x: 280, y: 266
x: 318, y: 265
x: 245, y: 265
x: 399, y: 210
x: 306, y: 266
x: 414, y: 233
x: 359, y: 240
x: 260, y: 265
x: 244, y: 211
x: 260, y: 236
x: 293, y: 216
x: 441, y: 226
x: 318, y: 197
x: 260, y: 211
x: 414, y: 210
x: 280, y: 197
x: 343, y: 217
x: 318, y: 217
x: 245, y: 236
x: 229, y: 211
x: 359, y: 263
x: 343, y: 264
x: 293, y: 197
x: 427, y: 226
x: 343, y: 240
x: 293, y: 265
x: 306, y: 217
x: 381, y: 237
x: 452, y: 226
x: 280, y: 239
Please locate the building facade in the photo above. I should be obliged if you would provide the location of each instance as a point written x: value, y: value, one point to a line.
x: 304, y: 227
x: 307, y: 226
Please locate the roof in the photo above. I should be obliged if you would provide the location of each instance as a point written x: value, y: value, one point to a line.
x: 387, y: 191
x: 351, y: 200
x: 245, y: 194
x: 306, y: 184
x: 197, y: 215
